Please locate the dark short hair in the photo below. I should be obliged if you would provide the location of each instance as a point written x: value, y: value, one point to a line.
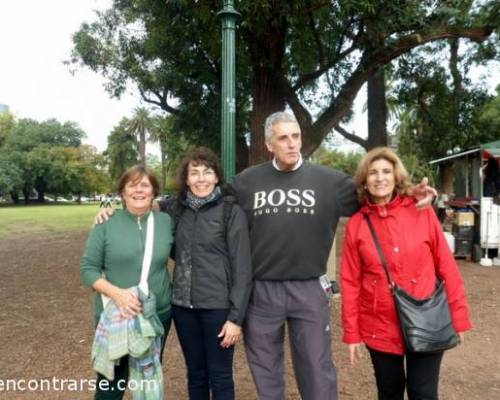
x: 136, y: 173
x: 198, y: 156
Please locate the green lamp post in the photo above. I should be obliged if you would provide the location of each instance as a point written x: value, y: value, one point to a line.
x: 228, y: 16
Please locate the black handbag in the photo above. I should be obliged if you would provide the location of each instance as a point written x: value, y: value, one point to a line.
x: 425, y: 323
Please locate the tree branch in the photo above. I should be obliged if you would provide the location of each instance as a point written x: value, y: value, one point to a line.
x: 317, y: 39
x: 351, y: 136
x: 305, y: 78
x: 162, y: 101
x: 300, y: 111
x: 406, y: 43
x: 342, y: 103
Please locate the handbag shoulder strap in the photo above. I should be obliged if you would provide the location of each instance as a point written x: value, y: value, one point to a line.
x: 379, y: 250
x: 148, y: 255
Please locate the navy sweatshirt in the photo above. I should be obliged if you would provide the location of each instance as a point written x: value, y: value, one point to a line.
x: 292, y: 217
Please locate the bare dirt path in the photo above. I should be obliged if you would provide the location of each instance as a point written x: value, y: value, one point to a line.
x: 46, y: 330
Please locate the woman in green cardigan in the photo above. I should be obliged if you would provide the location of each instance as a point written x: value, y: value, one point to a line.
x: 113, y: 258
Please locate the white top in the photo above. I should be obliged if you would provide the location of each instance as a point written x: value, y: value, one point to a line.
x: 297, y: 166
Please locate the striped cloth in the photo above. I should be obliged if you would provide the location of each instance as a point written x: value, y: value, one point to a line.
x: 140, y: 339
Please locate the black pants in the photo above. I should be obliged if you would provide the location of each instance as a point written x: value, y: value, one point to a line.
x: 115, y: 389
x: 209, y: 366
x: 421, y: 378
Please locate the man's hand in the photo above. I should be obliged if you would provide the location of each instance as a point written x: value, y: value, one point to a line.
x: 103, y: 215
x: 230, y: 334
x: 424, y: 194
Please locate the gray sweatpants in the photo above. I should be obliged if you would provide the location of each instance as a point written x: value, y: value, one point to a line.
x: 306, y: 309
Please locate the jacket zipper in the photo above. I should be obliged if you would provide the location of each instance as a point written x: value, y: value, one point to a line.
x: 191, y: 260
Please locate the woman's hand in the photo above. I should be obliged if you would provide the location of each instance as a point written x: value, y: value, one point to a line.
x: 230, y: 333
x: 103, y: 215
x: 128, y: 303
x: 354, y: 353
x: 461, y: 336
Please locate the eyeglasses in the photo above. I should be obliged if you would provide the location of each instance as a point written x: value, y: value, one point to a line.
x: 207, y: 174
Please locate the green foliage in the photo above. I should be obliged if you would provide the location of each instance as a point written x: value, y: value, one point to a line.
x: 141, y: 124
x: 313, y: 56
x: 122, y: 150
x: 6, y: 125
x: 436, y: 117
x: 346, y: 162
x: 48, y: 156
x: 418, y: 169
x: 10, y: 175
x: 489, y: 117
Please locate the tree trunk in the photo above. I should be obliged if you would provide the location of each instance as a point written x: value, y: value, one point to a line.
x: 267, y: 99
x: 447, y: 175
x: 40, y: 187
x: 242, y: 153
x: 26, y: 193
x: 15, y: 197
x: 142, y: 147
x: 163, y: 156
x: 457, y: 81
x: 377, y: 110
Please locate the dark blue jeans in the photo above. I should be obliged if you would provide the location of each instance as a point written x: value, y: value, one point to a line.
x: 209, y: 366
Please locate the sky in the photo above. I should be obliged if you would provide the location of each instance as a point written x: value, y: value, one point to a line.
x: 35, y: 39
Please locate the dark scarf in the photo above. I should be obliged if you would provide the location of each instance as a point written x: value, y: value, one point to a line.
x: 196, y: 202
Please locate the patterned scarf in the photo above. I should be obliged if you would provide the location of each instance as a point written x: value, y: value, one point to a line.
x: 196, y: 202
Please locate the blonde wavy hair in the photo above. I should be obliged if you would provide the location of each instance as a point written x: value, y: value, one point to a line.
x: 402, y: 182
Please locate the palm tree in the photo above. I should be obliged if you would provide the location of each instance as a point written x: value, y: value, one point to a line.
x: 141, y: 124
x: 122, y: 149
x: 161, y: 132
x: 173, y: 146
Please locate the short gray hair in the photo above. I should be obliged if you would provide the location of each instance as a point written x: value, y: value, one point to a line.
x: 275, y: 118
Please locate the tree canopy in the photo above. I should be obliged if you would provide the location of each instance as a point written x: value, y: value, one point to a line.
x: 310, y: 55
x: 48, y: 157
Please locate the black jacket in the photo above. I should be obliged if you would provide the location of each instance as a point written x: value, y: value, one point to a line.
x: 213, y: 263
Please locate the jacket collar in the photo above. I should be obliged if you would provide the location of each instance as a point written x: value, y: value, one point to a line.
x: 385, y: 210
x: 135, y: 217
x: 223, y: 195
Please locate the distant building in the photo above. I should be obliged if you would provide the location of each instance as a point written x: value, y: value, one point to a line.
x: 4, y: 108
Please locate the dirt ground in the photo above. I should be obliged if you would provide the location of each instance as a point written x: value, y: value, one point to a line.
x: 46, y: 331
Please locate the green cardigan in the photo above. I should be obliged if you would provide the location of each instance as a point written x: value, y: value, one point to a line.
x: 116, y: 248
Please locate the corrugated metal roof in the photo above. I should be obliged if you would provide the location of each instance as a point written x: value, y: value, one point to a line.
x: 492, y: 147
x: 462, y: 153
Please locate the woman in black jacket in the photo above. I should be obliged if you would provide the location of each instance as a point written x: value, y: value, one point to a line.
x: 212, y: 275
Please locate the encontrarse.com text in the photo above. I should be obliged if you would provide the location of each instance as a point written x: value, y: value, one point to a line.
x: 55, y: 384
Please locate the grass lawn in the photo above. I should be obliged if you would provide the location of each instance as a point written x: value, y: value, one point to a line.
x: 17, y: 220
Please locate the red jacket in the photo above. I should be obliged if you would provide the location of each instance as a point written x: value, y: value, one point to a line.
x: 416, y: 250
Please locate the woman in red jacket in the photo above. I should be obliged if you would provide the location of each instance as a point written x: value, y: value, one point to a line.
x: 416, y: 251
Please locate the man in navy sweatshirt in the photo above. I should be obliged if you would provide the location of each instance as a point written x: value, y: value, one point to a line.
x: 293, y: 208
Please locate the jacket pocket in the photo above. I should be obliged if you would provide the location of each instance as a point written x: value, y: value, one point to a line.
x: 369, y: 297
